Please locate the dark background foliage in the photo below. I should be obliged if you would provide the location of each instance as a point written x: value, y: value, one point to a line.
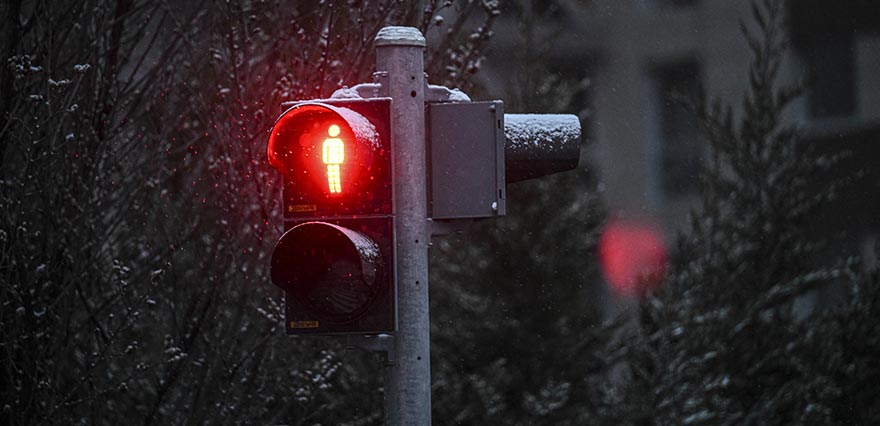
x: 138, y: 210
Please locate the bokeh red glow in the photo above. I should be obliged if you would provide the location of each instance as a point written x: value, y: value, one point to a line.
x: 633, y: 256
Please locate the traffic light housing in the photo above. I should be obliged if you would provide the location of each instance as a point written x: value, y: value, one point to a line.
x: 335, y: 260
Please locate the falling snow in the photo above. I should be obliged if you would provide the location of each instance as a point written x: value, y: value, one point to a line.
x: 139, y: 217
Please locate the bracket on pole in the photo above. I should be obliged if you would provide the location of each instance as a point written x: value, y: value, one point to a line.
x: 379, y: 343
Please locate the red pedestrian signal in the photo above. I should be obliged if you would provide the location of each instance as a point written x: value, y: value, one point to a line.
x: 335, y: 262
x: 335, y: 158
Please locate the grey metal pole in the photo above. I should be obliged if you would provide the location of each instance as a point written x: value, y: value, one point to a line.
x: 400, y: 56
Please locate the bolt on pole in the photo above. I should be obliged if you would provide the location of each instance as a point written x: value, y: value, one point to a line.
x: 400, y: 57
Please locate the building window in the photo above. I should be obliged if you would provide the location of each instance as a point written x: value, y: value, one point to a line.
x: 676, y: 86
x: 829, y: 64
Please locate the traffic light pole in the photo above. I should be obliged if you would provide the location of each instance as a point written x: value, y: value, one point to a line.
x: 400, y: 65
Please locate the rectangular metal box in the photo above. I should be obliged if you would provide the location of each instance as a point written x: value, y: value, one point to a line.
x: 466, y: 160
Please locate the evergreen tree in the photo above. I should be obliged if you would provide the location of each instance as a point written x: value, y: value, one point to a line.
x: 723, y: 341
x: 515, y: 311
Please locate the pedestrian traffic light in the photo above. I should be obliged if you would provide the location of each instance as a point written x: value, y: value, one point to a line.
x: 335, y: 261
x: 346, y: 219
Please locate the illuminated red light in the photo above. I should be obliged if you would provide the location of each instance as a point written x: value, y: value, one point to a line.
x: 328, y: 156
x: 334, y: 155
x: 633, y: 256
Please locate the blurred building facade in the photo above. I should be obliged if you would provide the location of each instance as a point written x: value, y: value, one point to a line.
x: 636, y: 58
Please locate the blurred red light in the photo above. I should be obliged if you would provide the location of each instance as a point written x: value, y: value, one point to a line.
x: 633, y: 256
